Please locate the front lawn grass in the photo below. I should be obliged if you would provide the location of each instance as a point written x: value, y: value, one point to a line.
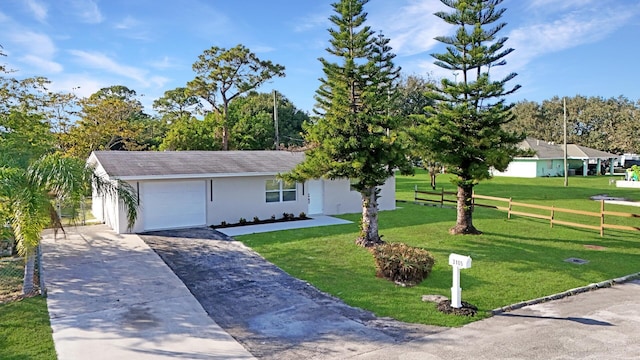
x: 514, y: 260
x: 25, y: 331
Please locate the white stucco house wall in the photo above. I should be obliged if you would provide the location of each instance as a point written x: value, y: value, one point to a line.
x: 548, y: 160
x: 180, y: 189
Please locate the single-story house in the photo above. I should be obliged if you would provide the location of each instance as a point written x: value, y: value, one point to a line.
x: 548, y: 160
x: 179, y: 189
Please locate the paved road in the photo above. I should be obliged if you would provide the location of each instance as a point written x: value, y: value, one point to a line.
x: 277, y: 317
x: 602, y: 324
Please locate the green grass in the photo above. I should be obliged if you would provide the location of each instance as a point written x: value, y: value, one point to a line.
x: 25, y: 332
x: 514, y: 260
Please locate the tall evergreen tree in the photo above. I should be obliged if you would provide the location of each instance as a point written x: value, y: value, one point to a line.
x: 356, y: 134
x: 465, y: 132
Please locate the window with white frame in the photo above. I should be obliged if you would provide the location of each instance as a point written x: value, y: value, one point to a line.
x: 279, y: 191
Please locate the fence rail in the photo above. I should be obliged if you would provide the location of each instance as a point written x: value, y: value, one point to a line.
x: 438, y: 197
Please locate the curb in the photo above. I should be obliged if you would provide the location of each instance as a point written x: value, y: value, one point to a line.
x: 564, y: 294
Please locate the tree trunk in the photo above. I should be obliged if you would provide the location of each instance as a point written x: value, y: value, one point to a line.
x: 225, y: 137
x: 464, y: 219
x: 225, y: 125
x: 369, y: 226
x: 29, y: 269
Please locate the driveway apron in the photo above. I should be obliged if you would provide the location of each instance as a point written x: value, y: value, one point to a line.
x: 111, y: 297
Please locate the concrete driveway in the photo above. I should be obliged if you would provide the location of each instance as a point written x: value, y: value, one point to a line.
x: 111, y: 297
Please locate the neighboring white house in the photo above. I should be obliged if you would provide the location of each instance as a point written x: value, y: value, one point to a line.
x: 179, y: 189
x: 549, y: 160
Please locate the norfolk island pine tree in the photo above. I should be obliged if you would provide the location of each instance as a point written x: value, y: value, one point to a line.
x: 356, y: 134
x: 464, y: 130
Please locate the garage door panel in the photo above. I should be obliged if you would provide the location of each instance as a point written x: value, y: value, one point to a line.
x: 173, y: 204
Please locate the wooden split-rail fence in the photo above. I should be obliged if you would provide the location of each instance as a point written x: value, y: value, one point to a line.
x: 545, y: 212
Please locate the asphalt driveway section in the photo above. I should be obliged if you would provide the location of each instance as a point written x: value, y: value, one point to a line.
x: 111, y: 297
x: 274, y: 315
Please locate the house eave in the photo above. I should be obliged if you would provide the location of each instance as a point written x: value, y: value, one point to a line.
x: 192, y: 176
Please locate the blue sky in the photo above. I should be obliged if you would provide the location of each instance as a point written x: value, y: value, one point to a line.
x: 564, y: 48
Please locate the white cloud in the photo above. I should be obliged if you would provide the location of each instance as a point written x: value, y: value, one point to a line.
x: 87, y: 11
x: 127, y: 23
x: 311, y: 22
x: 36, y: 50
x: 164, y: 63
x: 158, y: 81
x: 82, y: 85
x: 570, y: 29
x: 555, y: 5
x: 412, y: 27
x: 101, y: 61
x: 34, y: 43
x: 43, y: 64
x: 38, y: 10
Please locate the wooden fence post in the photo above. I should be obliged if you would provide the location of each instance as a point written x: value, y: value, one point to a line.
x: 509, y: 212
x: 415, y: 193
x: 602, y: 218
x: 553, y: 214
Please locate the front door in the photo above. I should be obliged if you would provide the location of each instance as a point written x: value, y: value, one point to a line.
x: 316, y: 197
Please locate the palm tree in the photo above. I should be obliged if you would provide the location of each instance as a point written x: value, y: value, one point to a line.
x: 27, y: 197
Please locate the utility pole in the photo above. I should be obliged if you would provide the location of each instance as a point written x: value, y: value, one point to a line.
x: 275, y: 119
x: 566, y: 168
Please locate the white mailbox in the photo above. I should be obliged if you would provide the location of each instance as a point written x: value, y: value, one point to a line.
x: 460, y: 261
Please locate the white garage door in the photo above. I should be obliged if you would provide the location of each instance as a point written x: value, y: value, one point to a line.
x: 173, y: 204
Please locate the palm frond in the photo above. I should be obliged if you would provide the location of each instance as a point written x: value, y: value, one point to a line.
x: 121, y: 190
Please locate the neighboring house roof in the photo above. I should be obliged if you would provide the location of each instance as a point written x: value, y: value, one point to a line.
x: 129, y: 165
x: 545, y: 150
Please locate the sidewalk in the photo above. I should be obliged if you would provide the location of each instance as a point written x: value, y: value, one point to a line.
x: 111, y: 297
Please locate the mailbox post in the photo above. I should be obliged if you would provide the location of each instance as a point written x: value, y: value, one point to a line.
x: 458, y: 262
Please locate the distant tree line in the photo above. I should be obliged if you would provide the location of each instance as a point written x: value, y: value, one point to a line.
x: 611, y: 125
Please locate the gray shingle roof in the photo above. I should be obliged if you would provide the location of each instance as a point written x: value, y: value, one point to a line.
x: 132, y: 164
x: 546, y: 150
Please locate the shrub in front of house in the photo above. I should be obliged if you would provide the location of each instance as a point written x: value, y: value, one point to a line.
x: 401, y: 263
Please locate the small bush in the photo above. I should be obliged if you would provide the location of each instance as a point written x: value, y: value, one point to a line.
x: 288, y: 216
x: 223, y: 223
x: 302, y: 215
x: 273, y: 217
x: 242, y: 221
x: 256, y: 219
x: 402, y: 263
